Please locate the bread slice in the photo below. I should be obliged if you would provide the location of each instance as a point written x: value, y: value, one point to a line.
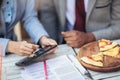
x: 114, y: 52
x: 89, y: 49
x: 110, y: 61
x: 96, y: 60
x: 106, y: 44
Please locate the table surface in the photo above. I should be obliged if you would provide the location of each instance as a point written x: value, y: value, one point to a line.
x: 104, y: 76
x: 0, y: 65
x: 12, y: 72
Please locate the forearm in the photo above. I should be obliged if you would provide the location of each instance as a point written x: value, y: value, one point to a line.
x: 11, y: 46
x: 31, y: 22
x: 35, y: 29
x: 110, y: 33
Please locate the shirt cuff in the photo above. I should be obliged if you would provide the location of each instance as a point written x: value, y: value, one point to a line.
x: 3, y: 46
x: 37, y: 39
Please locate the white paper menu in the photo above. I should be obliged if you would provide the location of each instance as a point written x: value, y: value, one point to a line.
x: 59, y: 68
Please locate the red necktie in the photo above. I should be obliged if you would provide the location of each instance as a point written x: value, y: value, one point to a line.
x: 80, y: 16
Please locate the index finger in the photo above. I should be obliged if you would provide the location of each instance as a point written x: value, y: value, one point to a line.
x: 35, y: 46
x: 32, y: 46
x: 52, y: 42
x: 66, y: 34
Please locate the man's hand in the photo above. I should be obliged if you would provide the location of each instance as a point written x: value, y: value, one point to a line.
x: 77, y: 39
x: 21, y: 48
x: 45, y: 41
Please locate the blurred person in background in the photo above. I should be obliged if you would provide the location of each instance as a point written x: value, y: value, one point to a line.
x: 12, y: 11
x: 78, y: 22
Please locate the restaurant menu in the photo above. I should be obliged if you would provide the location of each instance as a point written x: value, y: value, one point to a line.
x: 64, y: 67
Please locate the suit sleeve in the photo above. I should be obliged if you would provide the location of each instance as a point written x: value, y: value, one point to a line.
x: 112, y: 32
x: 3, y: 46
x: 50, y: 18
x: 31, y: 23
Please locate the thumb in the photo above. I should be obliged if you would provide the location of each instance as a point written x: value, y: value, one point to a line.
x: 63, y: 34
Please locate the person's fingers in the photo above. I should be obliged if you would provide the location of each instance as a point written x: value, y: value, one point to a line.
x: 31, y: 46
x: 23, y: 54
x: 24, y: 41
x: 48, y: 42
x: 26, y: 52
x: 52, y: 42
x: 66, y: 34
x: 28, y: 49
x: 70, y: 39
x: 35, y: 47
x: 75, y: 44
x: 71, y: 44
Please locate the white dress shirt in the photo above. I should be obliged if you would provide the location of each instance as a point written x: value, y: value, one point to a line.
x: 70, y: 13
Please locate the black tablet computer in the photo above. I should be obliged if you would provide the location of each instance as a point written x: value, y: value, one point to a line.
x: 29, y: 60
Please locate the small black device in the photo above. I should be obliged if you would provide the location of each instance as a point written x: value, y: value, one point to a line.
x: 29, y: 60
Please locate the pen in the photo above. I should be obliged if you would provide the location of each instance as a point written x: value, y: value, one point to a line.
x: 45, y: 70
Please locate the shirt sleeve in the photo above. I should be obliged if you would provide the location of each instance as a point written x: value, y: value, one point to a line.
x: 31, y: 23
x: 112, y: 31
x: 3, y: 46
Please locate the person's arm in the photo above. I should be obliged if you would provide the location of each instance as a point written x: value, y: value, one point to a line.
x: 31, y: 22
x: 50, y: 19
x: 111, y: 32
x: 21, y: 48
x: 34, y: 27
x: 77, y: 39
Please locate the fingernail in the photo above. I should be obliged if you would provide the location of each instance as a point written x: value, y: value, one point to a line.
x: 37, y: 45
x: 62, y: 32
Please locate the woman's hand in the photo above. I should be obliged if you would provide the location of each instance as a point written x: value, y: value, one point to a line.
x: 45, y: 41
x: 21, y: 48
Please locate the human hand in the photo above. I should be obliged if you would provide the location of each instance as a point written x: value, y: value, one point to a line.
x: 77, y: 39
x: 45, y: 41
x: 21, y: 48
